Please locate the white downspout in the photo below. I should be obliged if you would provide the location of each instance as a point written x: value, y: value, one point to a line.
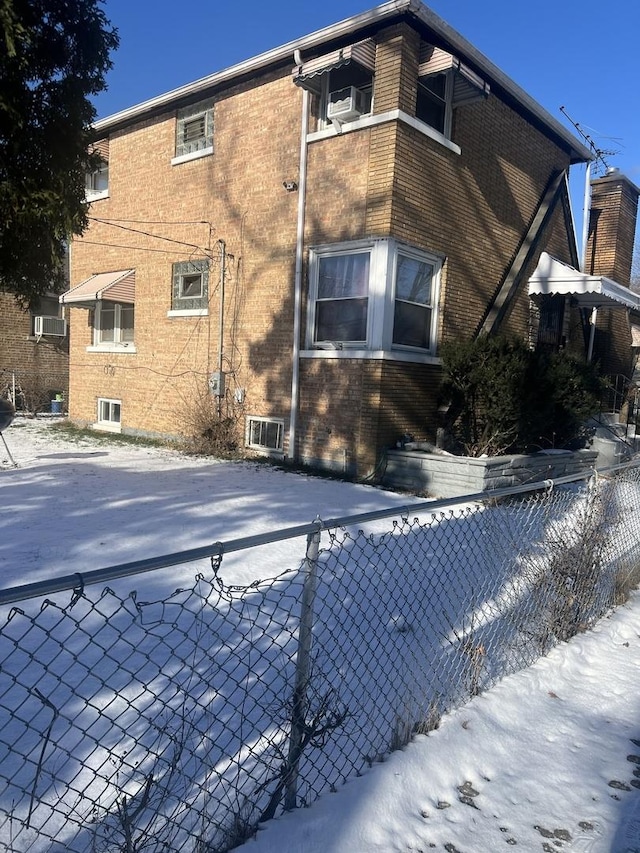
x: 586, y: 212
x: 297, y: 302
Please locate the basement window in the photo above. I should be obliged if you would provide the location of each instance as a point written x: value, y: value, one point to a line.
x: 108, y: 414
x: 266, y: 434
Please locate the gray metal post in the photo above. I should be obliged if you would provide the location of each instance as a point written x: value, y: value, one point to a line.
x: 303, y: 668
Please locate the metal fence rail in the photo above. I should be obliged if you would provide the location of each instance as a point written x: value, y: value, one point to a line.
x: 180, y: 724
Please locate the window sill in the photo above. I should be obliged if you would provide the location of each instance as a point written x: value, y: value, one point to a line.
x: 122, y: 348
x: 96, y: 195
x: 188, y: 312
x: 106, y: 426
x: 265, y: 451
x: 194, y: 155
x: 373, y: 355
x: 384, y: 118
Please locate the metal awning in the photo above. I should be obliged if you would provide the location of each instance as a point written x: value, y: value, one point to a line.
x: 308, y: 74
x: 117, y: 286
x: 467, y: 85
x: 590, y: 291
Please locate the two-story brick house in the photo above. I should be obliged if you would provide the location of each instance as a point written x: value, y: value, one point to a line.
x: 287, y: 242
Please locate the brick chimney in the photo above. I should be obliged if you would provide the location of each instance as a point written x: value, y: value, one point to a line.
x: 612, y: 226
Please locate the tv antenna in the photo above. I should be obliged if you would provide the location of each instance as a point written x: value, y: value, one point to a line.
x: 599, y: 154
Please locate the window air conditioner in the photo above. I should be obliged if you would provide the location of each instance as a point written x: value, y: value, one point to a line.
x: 49, y: 326
x: 347, y: 104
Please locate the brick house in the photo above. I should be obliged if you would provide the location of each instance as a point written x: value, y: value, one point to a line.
x: 278, y: 249
x: 34, y: 353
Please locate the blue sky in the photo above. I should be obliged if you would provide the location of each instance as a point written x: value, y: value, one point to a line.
x: 580, y: 55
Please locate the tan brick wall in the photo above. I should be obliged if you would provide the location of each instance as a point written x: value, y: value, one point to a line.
x: 235, y: 195
x: 387, y: 180
x: 612, y: 228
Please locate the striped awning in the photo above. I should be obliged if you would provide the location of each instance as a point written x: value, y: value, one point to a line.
x: 552, y: 276
x: 467, y: 85
x: 117, y: 286
x: 308, y: 75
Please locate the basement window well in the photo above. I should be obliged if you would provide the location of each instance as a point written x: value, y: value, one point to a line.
x: 265, y: 434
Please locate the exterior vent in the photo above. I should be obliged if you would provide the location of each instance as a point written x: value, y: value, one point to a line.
x: 49, y: 326
x: 347, y: 104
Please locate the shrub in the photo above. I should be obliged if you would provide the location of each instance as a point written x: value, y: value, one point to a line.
x: 506, y: 398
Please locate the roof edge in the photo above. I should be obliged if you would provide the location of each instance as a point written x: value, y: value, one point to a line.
x: 378, y: 15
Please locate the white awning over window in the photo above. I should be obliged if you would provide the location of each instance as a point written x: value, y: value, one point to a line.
x: 590, y: 291
x: 309, y: 73
x: 117, y: 286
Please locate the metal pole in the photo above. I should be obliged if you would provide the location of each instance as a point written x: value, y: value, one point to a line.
x: 221, y: 322
x: 303, y: 667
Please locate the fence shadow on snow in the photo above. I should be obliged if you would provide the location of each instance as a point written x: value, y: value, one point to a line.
x: 182, y: 723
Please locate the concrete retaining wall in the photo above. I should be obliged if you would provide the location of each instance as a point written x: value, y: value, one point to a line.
x: 452, y: 476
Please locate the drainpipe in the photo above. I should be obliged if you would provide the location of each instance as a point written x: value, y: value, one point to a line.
x: 586, y: 211
x: 221, y: 320
x: 297, y: 288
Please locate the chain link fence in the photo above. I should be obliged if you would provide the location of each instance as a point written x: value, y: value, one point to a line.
x: 181, y: 724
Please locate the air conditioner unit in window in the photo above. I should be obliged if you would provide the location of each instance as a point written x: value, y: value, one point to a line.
x: 49, y: 326
x: 347, y: 104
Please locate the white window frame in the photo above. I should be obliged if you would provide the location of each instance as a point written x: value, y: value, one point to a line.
x: 97, y: 183
x: 262, y: 447
x: 113, y: 421
x: 383, y: 254
x: 201, y: 145
x: 120, y: 342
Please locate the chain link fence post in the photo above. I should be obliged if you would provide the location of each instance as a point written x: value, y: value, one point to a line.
x: 303, y: 666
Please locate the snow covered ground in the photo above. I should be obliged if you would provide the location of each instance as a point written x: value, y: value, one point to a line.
x: 83, y: 505
x: 548, y: 760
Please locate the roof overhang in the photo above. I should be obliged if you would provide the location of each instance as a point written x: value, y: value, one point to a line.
x: 362, y: 26
x: 553, y: 277
x: 117, y: 286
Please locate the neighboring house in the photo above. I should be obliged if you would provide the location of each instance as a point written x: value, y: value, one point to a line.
x: 285, y: 244
x: 34, y: 353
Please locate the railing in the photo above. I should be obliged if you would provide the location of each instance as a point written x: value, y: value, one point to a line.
x: 180, y: 724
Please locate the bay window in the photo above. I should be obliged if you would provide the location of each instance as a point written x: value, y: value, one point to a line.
x: 373, y: 295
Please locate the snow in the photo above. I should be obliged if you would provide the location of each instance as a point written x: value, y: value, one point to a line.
x: 67, y: 506
x: 550, y: 756
x: 549, y: 759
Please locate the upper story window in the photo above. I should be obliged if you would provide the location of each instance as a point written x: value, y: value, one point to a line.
x: 97, y: 182
x: 348, y: 93
x: 190, y: 286
x: 113, y: 323
x: 194, y: 130
x: 342, y: 80
x: 377, y: 295
x: 444, y: 83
